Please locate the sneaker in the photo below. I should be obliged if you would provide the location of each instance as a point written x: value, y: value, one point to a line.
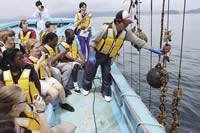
x: 68, y: 92
x: 67, y: 107
x: 85, y: 93
x: 107, y: 98
x: 77, y: 91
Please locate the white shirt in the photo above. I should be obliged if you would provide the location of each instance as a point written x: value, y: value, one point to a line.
x: 42, y: 17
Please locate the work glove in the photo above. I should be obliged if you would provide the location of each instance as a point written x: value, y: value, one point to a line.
x: 156, y: 50
x: 92, y: 58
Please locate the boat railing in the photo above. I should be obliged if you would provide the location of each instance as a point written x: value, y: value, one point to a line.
x: 136, y: 114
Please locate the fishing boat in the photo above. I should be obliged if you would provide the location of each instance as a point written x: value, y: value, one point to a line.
x: 126, y: 113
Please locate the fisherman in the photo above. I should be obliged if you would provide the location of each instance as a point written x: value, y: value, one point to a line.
x: 25, y: 34
x: 74, y: 57
x: 104, y: 45
x: 83, y: 23
x: 42, y: 15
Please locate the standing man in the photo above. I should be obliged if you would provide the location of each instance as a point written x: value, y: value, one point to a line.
x: 42, y: 15
x: 104, y: 45
x: 25, y: 34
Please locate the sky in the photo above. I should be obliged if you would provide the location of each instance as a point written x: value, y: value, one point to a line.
x: 16, y: 8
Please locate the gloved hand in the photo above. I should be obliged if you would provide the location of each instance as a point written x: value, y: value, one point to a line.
x: 92, y: 58
x: 156, y: 50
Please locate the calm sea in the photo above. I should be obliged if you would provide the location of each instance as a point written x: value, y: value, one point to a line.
x: 128, y: 62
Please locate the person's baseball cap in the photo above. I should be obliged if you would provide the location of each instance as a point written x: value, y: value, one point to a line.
x: 38, y: 3
x: 124, y: 16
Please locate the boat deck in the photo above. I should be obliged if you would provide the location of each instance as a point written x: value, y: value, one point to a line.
x: 106, y: 119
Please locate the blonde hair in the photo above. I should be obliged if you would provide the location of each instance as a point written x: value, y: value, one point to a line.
x: 9, y: 96
x: 30, y: 44
x: 1, y: 40
x: 6, y: 33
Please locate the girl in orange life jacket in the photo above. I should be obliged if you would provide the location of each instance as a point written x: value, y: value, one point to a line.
x: 83, y: 22
x: 49, y: 85
x: 8, y: 38
x: 13, y: 103
x: 15, y: 71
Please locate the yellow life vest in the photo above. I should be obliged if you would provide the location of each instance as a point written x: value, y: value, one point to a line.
x: 4, y: 48
x: 30, y: 121
x: 23, y: 82
x: 73, y: 49
x: 111, y: 45
x: 41, y: 36
x: 51, y: 51
x: 86, y: 23
x: 44, y: 69
x: 26, y: 38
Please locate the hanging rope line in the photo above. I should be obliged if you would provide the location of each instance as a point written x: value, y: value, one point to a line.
x: 139, y: 51
x: 131, y: 12
x: 178, y: 92
x: 162, y: 23
x: 181, y: 54
x: 151, y: 52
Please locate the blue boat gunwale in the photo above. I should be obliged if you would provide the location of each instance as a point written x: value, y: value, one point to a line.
x: 131, y: 93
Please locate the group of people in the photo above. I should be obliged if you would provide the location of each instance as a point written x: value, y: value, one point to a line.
x: 35, y: 72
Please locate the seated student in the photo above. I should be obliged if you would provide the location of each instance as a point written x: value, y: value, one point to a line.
x: 50, y: 28
x: 61, y: 71
x: 15, y: 71
x: 49, y: 85
x: 14, y: 105
x: 74, y: 57
x: 1, y: 40
x: 25, y: 34
x: 8, y: 38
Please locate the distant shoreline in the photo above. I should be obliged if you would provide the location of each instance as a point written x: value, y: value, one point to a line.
x: 97, y: 14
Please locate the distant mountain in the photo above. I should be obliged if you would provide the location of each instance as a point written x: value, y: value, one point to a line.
x: 172, y: 12
x: 193, y: 11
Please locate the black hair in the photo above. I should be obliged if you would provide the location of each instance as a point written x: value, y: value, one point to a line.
x: 7, y: 124
x: 50, y: 36
x: 81, y: 5
x: 48, y: 24
x: 38, y: 3
x: 67, y: 32
x: 116, y: 20
x: 8, y: 55
x: 118, y: 17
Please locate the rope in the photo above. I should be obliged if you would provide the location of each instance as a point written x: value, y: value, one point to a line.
x: 139, y: 72
x: 168, y: 17
x: 181, y: 54
x: 139, y: 51
x: 151, y: 52
x: 93, y: 103
x: 131, y: 52
x: 162, y: 23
